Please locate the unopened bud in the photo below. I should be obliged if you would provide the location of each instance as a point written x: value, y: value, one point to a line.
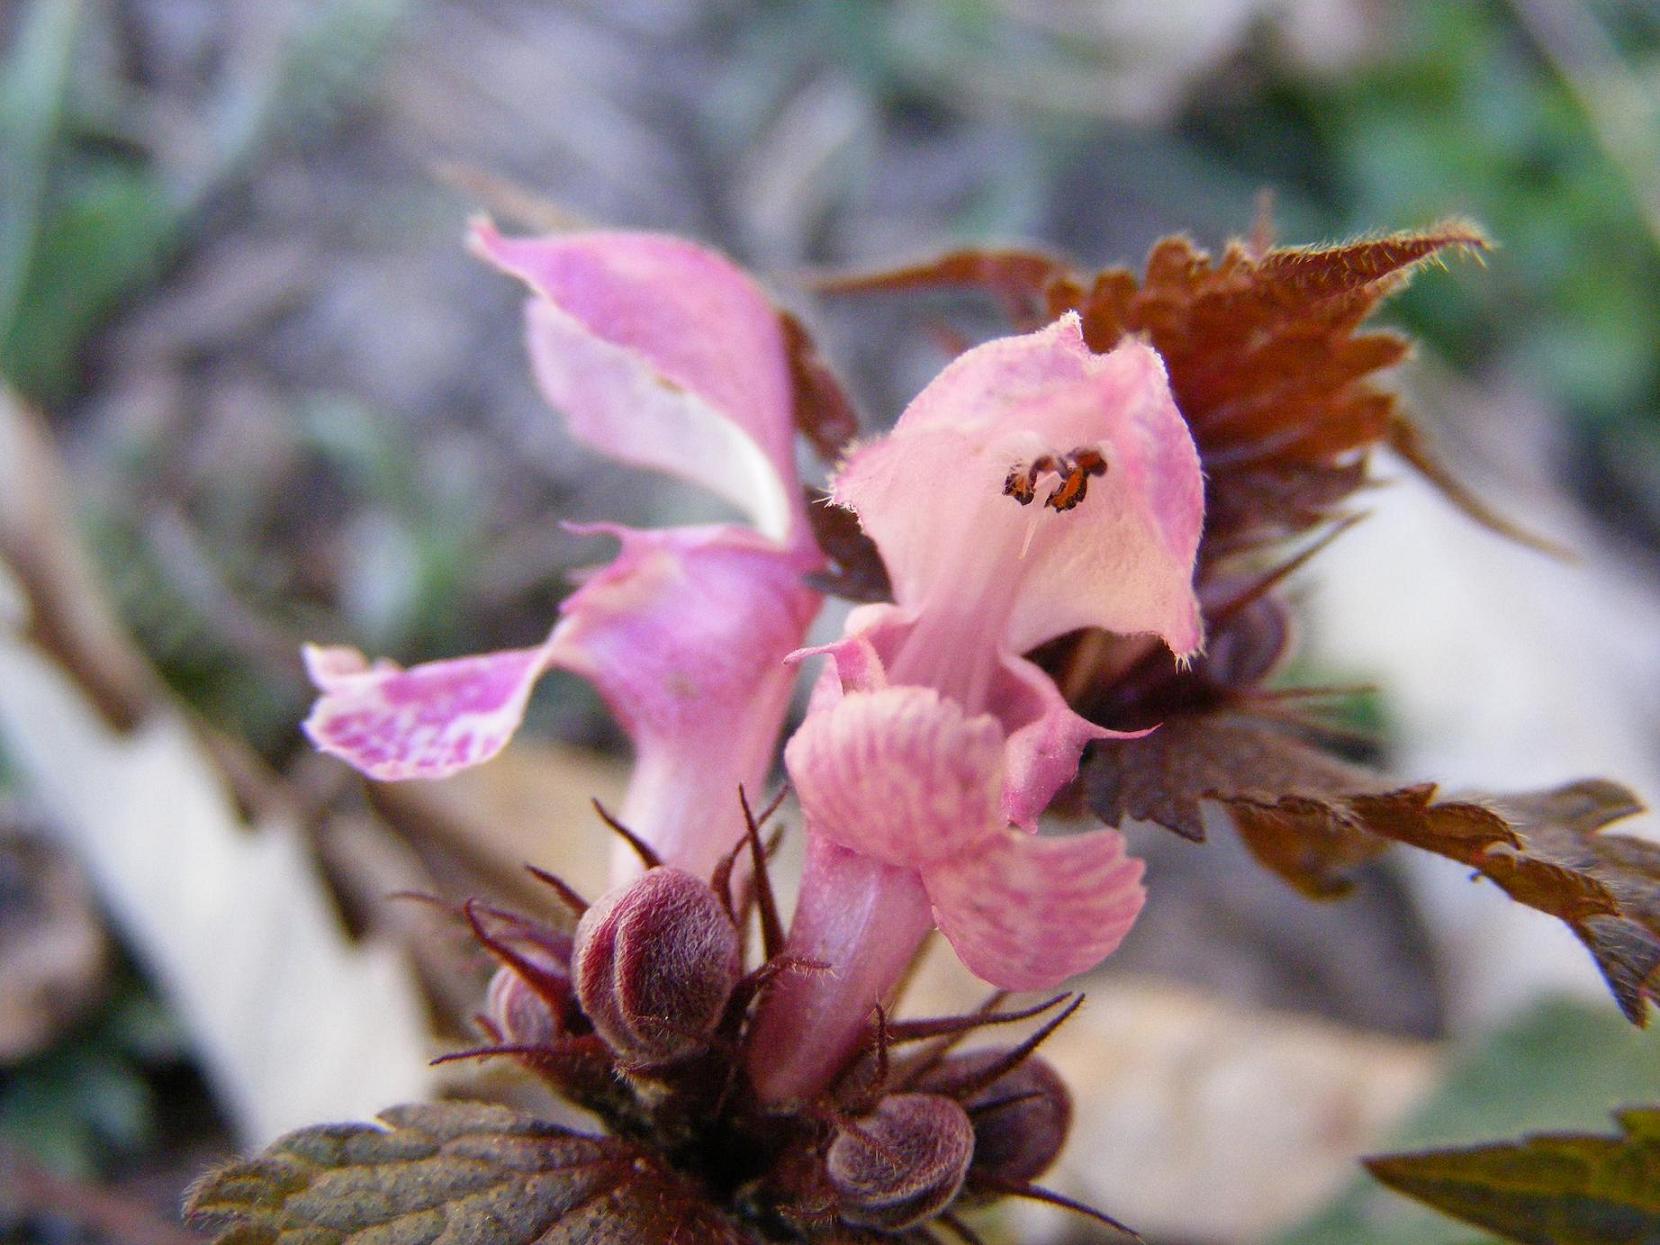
x: 901, y: 1164
x: 521, y: 1012
x: 656, y: 961
x: 1020, y: 1120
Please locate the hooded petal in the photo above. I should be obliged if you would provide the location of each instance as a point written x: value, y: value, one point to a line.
x: 663, y: 354
x: 1026, y: 913
x: 425, y: 722
x: 968, y: 556
x: 900, y: 775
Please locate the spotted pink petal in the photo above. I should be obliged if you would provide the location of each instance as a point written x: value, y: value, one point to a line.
x: 1026, y: 913
x: 1043, y: 736
x: 984, y: 571
x: 665, y: 355
x: 425, y: 722
x: 684, y: 634
x: 900, y: 775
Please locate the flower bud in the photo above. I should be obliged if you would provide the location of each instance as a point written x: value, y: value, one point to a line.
x: 529, y: 1000
x: 656, y: 961
x: 901, y: 1164
x: 521, y: 1014
x: 1020, y: 1120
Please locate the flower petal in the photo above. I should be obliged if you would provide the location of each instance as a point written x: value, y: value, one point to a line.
x: 685, y: 634
x: 899, y: 775
x: 425, y: 722
x: 1026, y: 913
x: 1045, y: 738
x: 1121, y: 559
x: 663, y: 354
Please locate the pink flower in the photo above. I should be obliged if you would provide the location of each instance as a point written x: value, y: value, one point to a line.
x: 664, y: 355
x: 1032, y: 489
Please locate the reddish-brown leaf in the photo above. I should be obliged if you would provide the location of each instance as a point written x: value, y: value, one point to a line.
x: 1315, y: 819
x: 1267, y: 366
x: 1164, y: 776
x: 1247, y: 765
x: 823, y: 412
x: 1555, y: 1189
x: 1020, y: 280
x: 1545, y: 849
x: 455, y: 1172
x: 856, y: 571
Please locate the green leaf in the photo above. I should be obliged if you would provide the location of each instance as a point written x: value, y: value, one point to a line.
x: 112, y: 233
x: 1554, y: 1189
x: 1562, y: 1066
x: 454, y: 1173
x: 32, y: 92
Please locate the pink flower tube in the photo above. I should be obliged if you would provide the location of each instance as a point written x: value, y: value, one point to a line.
x: 1031, y: 489
x: 664, y: 355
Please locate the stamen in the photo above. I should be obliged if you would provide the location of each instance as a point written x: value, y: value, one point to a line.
x: 1031, y: 531
x: 1021, y: 482
x: 1080, y: 465
x: 1075, y: 470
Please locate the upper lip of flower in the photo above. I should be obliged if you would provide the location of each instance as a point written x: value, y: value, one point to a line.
x: 932, y: 494
x: 663, y: 354
x: 979, y: 577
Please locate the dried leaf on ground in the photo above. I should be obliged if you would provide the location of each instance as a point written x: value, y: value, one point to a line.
x: 1552, y: 1189
x: 68, y: 617
x: 54, y: 955
x: 292, y: 1019
x: 460, y: 1171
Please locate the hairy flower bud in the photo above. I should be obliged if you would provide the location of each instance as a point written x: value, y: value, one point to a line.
x: 656, y: 961
x: 520, y: 1012
x: 902, y: 1163
x: 1020, y: 1119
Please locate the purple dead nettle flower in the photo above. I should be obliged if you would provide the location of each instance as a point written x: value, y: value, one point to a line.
x: 664, y: 355
x: 932, y: 746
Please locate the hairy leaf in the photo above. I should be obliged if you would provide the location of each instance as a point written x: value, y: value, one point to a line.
x: 454, y: 1173
x: 1022, y: 280
x: 1315, y: 819
x: 1247, y: 764
x: 856, y: 571
x: 1554, y: 1189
